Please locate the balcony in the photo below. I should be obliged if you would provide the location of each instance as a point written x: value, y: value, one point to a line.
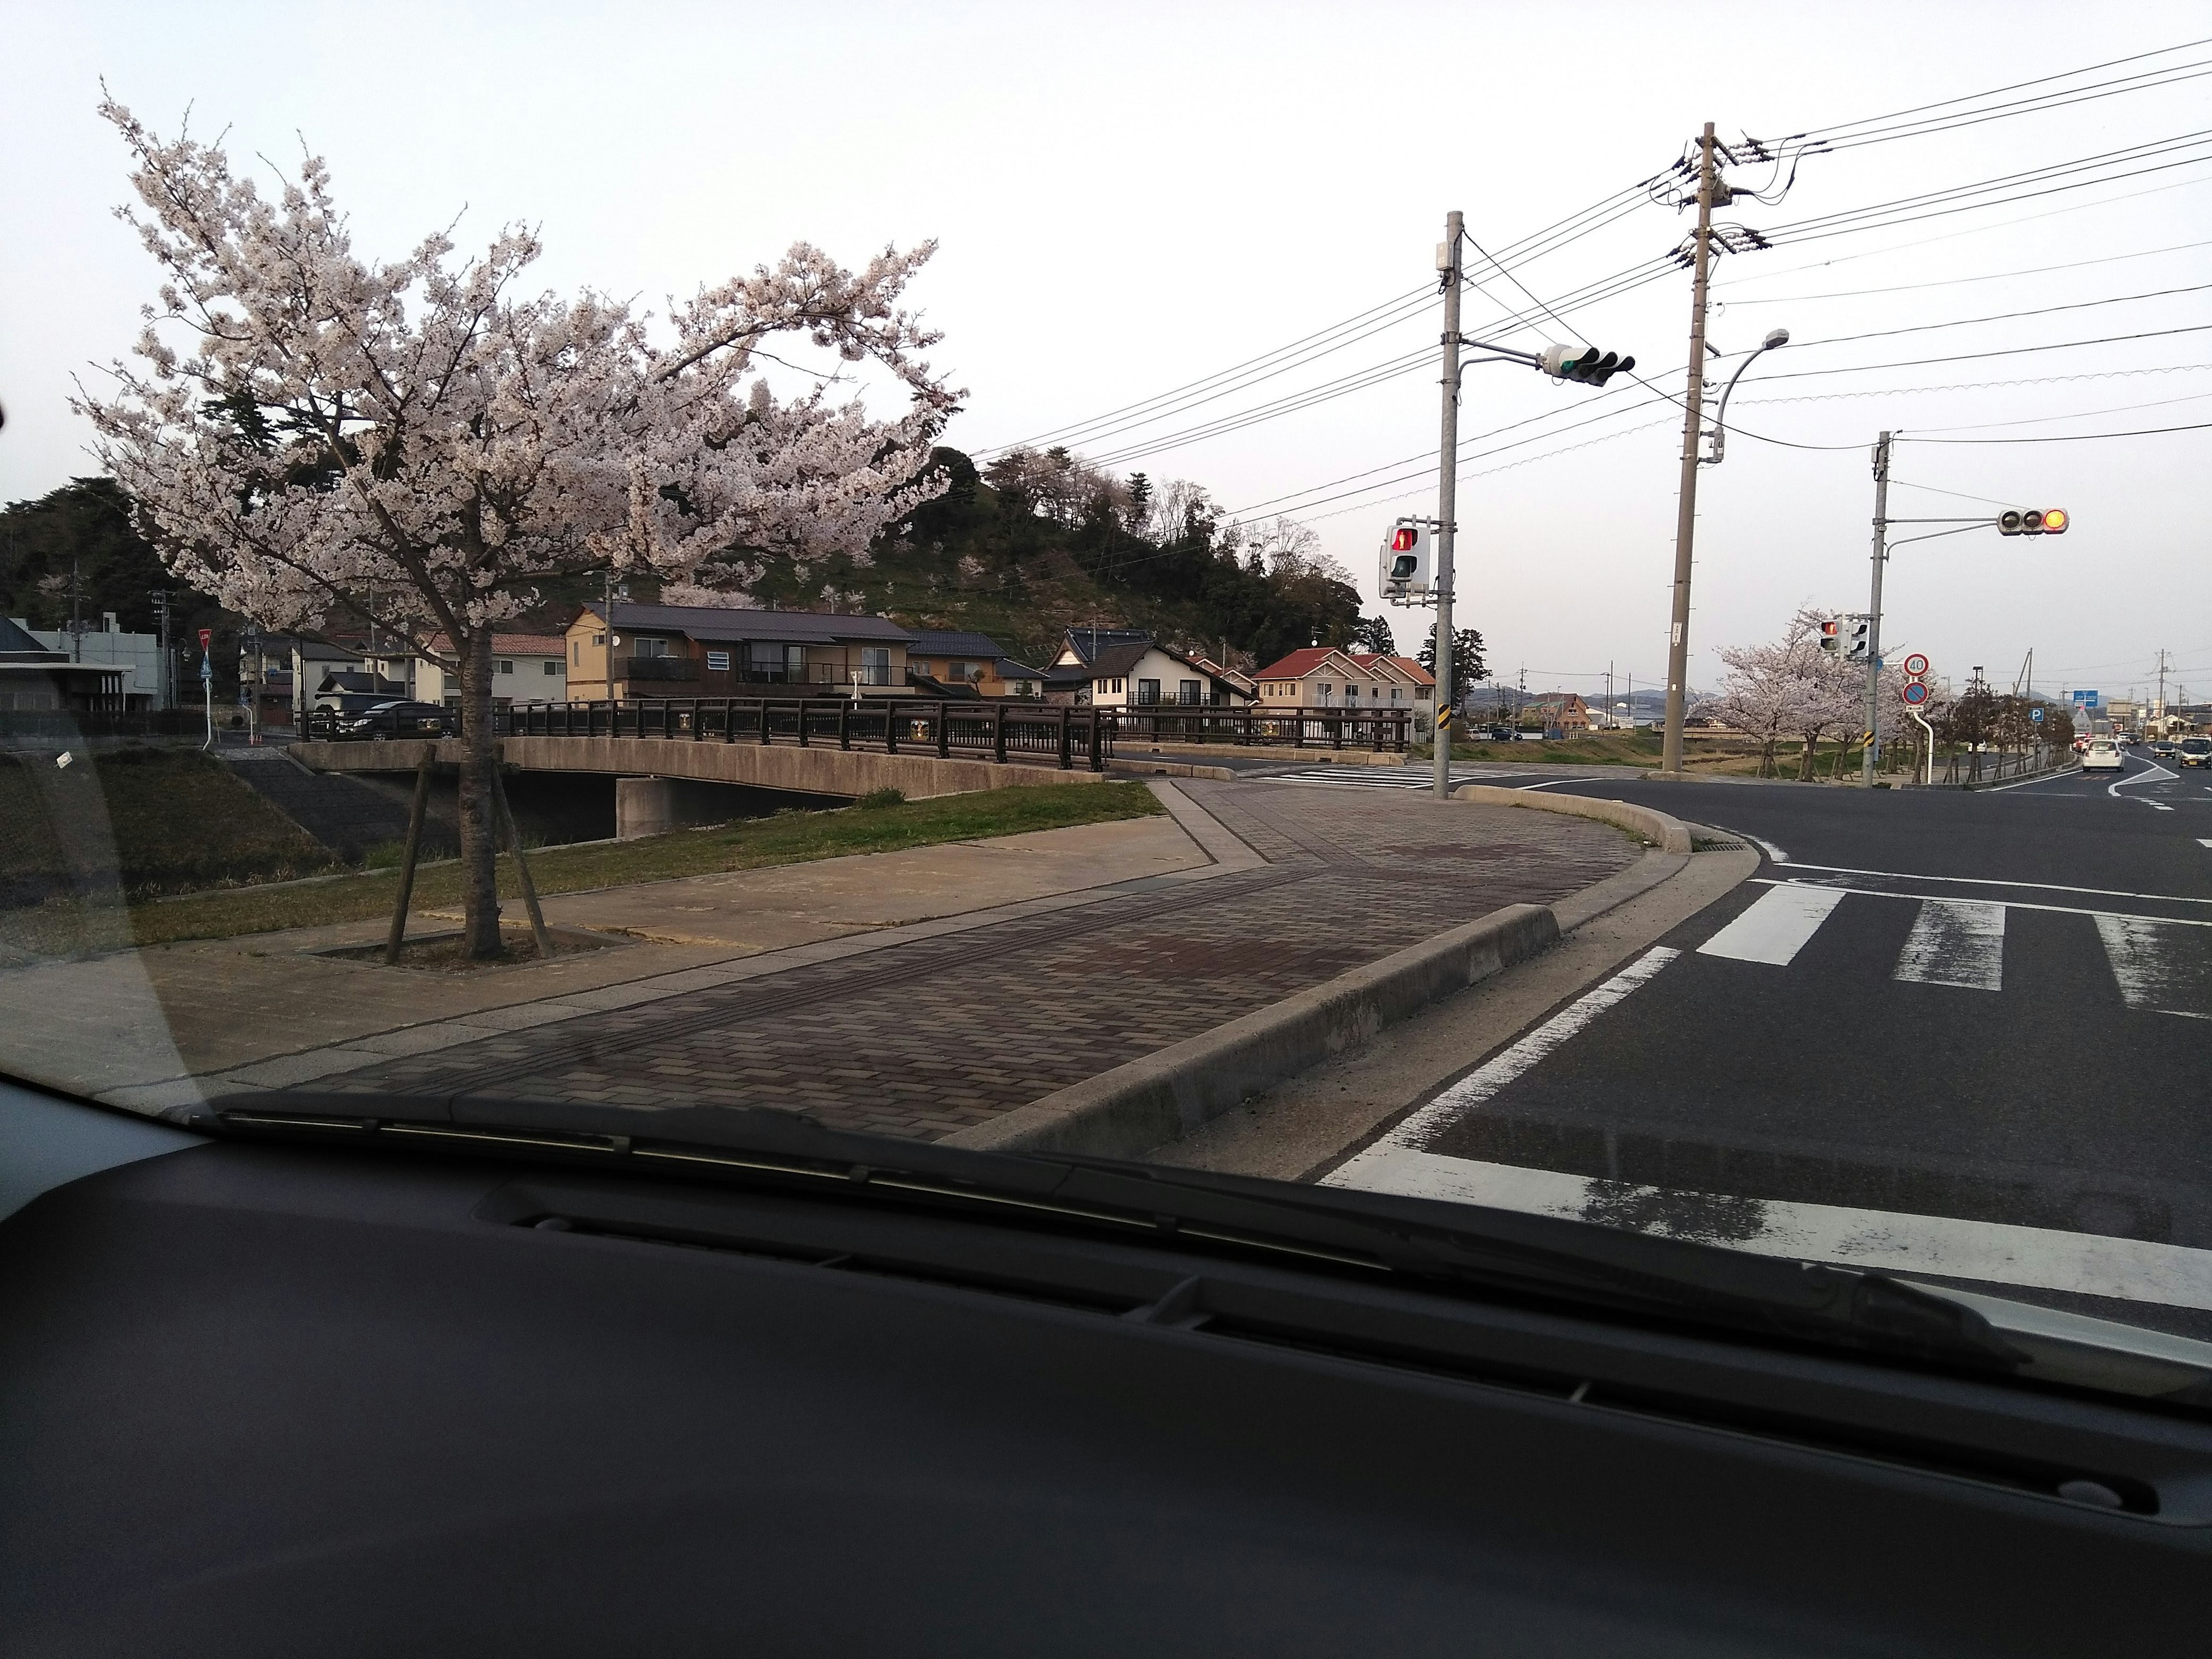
x: 660, y: 668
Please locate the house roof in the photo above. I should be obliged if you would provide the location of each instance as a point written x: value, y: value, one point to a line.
x: 1011, y: 670
x: 954, y: 642
x: 1088, y: 642
x: 510, y: 645
x: 15, y: 639
x: 708, y: 622
x: 1406, y: 665
x: 1300, y: 663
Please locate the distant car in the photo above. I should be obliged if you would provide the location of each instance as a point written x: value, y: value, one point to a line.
x: 2080, y: 743
x: 2103, y: 755
x: 2163, y: 748
x: 2194, y: 751
x: 394, y: 719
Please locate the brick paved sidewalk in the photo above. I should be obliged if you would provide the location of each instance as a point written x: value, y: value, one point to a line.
x: 923, y: 1038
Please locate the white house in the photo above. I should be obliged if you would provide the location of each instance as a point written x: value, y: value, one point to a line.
x: 1126, y: 668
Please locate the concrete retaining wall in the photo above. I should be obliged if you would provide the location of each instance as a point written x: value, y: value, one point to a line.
x: 812, y: 770
x: 1669, y: 834
x: 1127, y: 1111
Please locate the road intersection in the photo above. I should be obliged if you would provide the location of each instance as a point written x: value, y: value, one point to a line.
x: 1962, y: 1034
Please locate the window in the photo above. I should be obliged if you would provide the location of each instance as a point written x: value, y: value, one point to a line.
x: 718, y: 662
x: 1148, y: 691
x: 505, y: 665
x: 648, y: 648
x: 551, y: 666
x: 1397, y: 693
x: 576, y: 652
x: 597, y: 639
x: 875, y: 664
x: 1191, y: 692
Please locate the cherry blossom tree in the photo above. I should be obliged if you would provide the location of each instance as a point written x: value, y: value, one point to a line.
x: 312, y: 433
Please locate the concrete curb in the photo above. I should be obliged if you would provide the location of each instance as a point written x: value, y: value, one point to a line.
x: 1669, y: 834
x: 1124, y: 1112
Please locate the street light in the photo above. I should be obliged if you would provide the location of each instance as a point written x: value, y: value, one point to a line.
x: 1779, y: 337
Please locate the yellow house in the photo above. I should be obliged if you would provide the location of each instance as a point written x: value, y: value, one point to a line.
x: 709, y: 651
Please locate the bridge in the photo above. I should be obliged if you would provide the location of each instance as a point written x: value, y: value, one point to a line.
x: 842, y: 747
x: 820, y: 746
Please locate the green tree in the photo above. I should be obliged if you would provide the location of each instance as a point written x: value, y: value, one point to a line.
x: 91, y: 520
x: 1468, y: 665
x: 1374, y: 634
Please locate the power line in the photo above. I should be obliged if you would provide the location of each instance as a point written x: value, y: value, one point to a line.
x: 2076, y: 437
x: 1839, y: 129
x: 2011, y: 351
x: 2009, y: 316
x: 1957, y: 281
x: 2076, y: 415
x: 1979, y: 386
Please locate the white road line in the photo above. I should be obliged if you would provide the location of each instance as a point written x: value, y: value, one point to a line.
x: 2114, y: 787
x: 1776, y: 926
x: 1990, y: 881
x: 2204, y: 840
x: 1955, y: 942
x: 2009, y: 904
x: 2156, y: 971
x: 1501, y: 1068
x: 1996, y: 1252
x: 1771, y: 851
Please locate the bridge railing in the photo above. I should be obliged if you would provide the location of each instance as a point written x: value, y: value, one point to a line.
x: 1383, y: 730
x: 998, y: 730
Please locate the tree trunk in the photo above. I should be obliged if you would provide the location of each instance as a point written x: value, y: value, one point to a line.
x: 479, y: 820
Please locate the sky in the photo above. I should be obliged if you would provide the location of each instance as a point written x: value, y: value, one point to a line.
x: 1132, y: 199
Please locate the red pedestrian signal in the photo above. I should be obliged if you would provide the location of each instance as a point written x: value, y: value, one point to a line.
x: 1832, y: 640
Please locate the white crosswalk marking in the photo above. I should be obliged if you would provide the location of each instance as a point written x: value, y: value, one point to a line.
x: 1376, y: 777
x: 1955, y: 942
x: 1776, y: 927
x: 2160, y: 966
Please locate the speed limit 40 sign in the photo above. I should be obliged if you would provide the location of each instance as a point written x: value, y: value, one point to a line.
x: 1916, y: 665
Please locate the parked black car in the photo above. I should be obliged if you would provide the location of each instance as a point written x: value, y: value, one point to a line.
x: 396, y: 720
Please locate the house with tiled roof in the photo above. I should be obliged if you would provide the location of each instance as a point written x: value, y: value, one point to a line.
x: 1127, y: 668
x: 957, y: 657
x: 626, y: 650
x: 1324, y: 676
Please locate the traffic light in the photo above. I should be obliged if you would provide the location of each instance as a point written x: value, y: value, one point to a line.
x: 2033, y: 521
x: 1832, y: 637
x: 1585, y: 365
x: 1403, y: 567
x: 1861, y: 639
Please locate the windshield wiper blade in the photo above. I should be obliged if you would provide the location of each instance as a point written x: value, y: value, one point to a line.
x: 1463, y: 1246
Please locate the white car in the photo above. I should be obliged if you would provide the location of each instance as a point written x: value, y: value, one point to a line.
x: 2102, y: 755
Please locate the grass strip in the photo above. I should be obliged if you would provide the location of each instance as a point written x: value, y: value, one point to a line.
x: 788, y: 838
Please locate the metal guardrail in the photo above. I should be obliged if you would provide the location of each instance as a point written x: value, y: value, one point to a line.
x: 1000, y: 729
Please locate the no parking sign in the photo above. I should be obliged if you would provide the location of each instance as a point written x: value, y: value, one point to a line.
x: 1915, y: 693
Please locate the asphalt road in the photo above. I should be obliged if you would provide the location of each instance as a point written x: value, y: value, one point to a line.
x: 1963, y: 1035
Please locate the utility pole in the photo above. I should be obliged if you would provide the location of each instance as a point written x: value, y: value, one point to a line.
x: 77, y: 613
x: 1447, y: 499
x: 2161, y: 691
x: 1868, y: 755
x: 164, y: 691
x: 1686, y: 509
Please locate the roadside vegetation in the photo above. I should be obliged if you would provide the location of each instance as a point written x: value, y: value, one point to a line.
x: 175, y: 819
x: 58, y: 926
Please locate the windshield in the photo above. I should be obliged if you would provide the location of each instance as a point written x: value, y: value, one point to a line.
x: 1015, y: 680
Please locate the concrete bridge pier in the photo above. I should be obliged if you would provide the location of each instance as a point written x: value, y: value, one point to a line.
x: 644, y: 806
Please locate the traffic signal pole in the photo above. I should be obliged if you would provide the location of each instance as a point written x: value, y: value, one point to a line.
x: 1686, y: 513
x: 1871, y: 753
x: 1446, y: 503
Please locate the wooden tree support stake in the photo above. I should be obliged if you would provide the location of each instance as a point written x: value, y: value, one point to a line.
x: 521, y: 867
x: 416, y: 814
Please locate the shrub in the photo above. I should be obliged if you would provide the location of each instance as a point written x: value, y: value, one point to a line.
x: 875, y: 799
